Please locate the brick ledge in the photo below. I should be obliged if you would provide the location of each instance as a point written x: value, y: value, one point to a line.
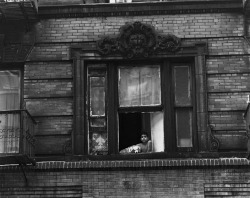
x: 142, y: 163
x: 44, y: 165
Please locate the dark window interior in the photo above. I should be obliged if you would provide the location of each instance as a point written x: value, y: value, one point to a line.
x: 130, y: 127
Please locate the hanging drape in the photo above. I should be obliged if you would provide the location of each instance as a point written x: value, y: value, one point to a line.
x: 9, y: 121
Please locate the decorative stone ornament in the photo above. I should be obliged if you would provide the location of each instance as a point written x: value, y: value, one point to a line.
x: 138, y: 40
x: 214, y: 142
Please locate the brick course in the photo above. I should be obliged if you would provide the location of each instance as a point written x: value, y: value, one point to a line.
x: 166, y: 178
x: 54, y: 125
x: 47, y: 70
x: 228, y: 64
x: 184, y: 26
x: 45, y: 145
x: 47, y: 107
x: 47, y: 88
x: 229, y: 82
x: 227, y: 120
x: 227, y: 101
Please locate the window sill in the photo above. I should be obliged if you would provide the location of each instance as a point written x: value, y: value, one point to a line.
x: 144, y: 164
x: 139, y: 161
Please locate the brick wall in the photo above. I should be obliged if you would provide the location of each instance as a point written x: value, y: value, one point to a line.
x: 157, y: 178
x: 48, y: 93
x: 48, y: 74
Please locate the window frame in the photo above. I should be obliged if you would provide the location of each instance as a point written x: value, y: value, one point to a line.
x: 192, y: 106
x: 167, y: 103
x: 81, y: 56
x: 20, y: 68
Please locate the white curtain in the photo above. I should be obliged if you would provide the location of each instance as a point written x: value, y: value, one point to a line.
x: 157, y: 131
x: 9, y: 100
x: 139, y: 86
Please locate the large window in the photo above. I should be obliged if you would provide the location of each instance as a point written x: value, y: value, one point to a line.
x: 128, y: 99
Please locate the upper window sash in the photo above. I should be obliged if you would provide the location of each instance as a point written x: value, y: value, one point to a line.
x: 139, y: 86
x: 10, y: 89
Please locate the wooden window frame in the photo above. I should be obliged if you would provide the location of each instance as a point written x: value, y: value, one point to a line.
x: 195, y: 54
x: 166, y: 68
x: 19, y: 67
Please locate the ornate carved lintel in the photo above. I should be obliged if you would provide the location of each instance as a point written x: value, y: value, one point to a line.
x: 138, y: 40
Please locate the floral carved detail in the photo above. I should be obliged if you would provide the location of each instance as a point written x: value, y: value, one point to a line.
x: 138, y: 40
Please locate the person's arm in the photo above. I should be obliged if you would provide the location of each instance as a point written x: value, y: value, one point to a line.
x: 150, y: 149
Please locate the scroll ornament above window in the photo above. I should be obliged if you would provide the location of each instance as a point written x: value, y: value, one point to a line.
x: 138, y: 40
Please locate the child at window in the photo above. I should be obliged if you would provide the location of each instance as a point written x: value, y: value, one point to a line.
x: 144, y: 147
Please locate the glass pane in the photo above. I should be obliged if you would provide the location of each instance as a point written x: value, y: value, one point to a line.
x: 9, y: 133
x: 98, y: 144
x: 97, y: 96
x: 150, y: 86
x: 9, y: 90
x: 182, y: 85
x: 184, y: 127
x: 133, y: 125
x: 97, y: 122
x: 139, y: 86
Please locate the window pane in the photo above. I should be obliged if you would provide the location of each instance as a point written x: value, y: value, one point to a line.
x: 131, y: 126
x: 9, y: 90
x: 139, y: 86
x: 98, y: 144
x: 97, y: 122
x: 98, y: 136
x: 97, y: 96
x: 184, y: 127
x: 9, y: 133
x: 182, y: 85
x: 9, y: 100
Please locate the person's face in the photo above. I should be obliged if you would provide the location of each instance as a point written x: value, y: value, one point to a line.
x: 144, y: 138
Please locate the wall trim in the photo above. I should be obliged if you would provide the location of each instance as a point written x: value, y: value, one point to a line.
x: 130, y: 164
x: 140, y: 9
